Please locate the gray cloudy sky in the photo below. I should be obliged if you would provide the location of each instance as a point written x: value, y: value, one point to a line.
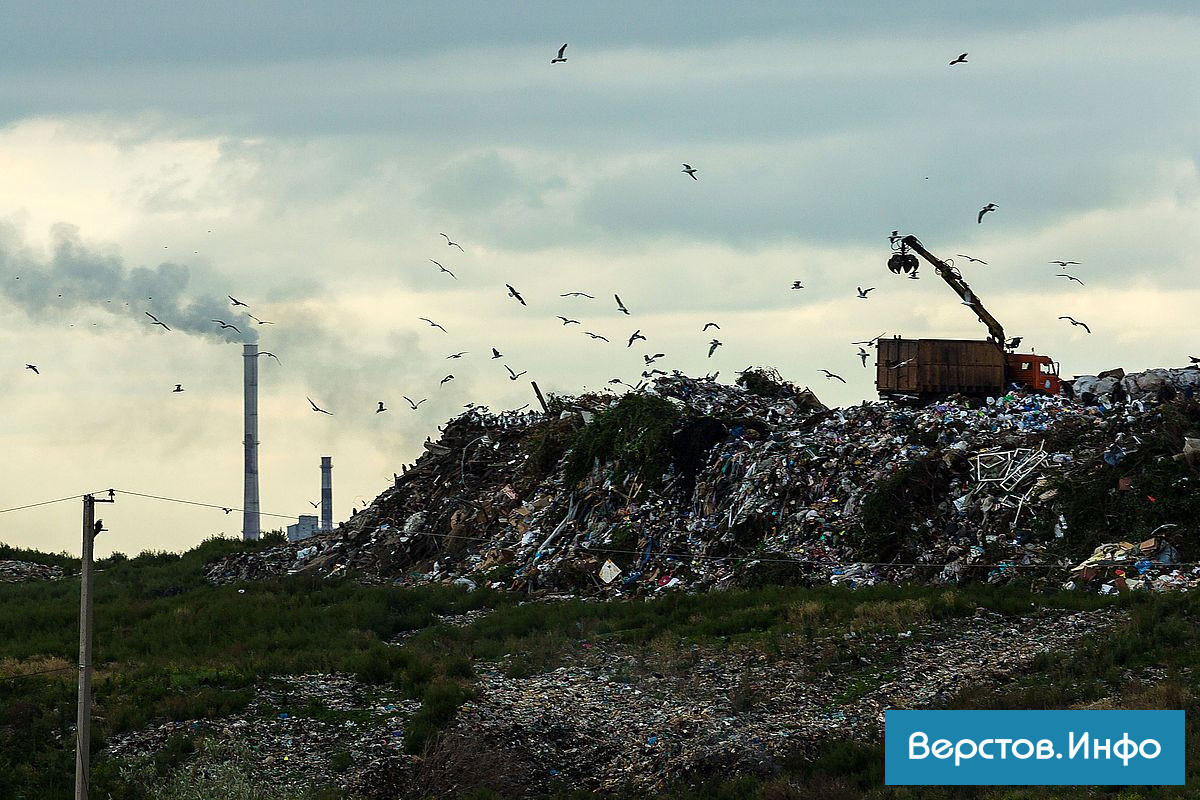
x: 305, y: 159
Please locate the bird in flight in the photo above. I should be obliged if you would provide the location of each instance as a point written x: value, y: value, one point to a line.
x: 1063, y: 263
x: 225, y: 325
x: 863, y: 355
x: 568, y: 321
x: 862, y: 293
x: 712, y: 347
x: 1070, y: 278
x: 912, y: 276
x: 962, y: 59
x: 381, y: 407
x: 872, y: 341
x: 651, y: 359
x: 315, y: 407
x: 156, y: 322
x: 636, y: 335
x: 445, y: 379
x: 272, y: 355
x: 903, y: 363
x: 459, y: 354
x: 412, y: 404
x: 690, y: 171
x: 496, y: 353
x: 434, y: 324
x: 652, y: 373
x: 830, y: 376
x: 452, y: 244
x: 1194, y: 360
x: 178, y: 388
x: 235, y: 301
x: 986, y: 209
x: 227, y: 510
x: 708, y: 325
x: 34, y: 368
x: 515, y: 294
x: 577, y: 294
x: 797, y: 285
x: 1074, y: 321
x: 621, y: 306
x: 972, y: 259
x: 443, y: 269
x: 560, y: 58
x: 512, y: 376
x: 595, y: 336
x: 259, y: 321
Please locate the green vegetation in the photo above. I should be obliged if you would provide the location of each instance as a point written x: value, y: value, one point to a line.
x: 170, y: 646
x: 634, y: 435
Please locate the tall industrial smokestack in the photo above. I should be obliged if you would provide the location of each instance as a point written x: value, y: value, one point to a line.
x: 250, y: 520
x: 326, y: 493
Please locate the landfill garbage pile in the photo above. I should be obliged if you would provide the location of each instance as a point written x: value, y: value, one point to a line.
x: 21, y: 571
x: 689, y: 484
x: 1153, y: 384
x: 613, y: 719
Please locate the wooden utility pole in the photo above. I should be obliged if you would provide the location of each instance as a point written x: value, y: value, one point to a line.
x: 542, y: 400
x: 83, y: 722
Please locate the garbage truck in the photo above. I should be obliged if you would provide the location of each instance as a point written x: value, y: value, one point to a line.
x: 928, y: 369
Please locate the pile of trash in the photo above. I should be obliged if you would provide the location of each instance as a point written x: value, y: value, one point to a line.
x: 689, y: 484
x: 21, y: 571
x: 1121, y: 566
x: 1153, y: 384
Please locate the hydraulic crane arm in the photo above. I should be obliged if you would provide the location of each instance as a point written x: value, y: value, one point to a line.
x: 951, y: 276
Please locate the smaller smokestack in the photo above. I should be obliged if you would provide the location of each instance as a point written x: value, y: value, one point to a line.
x: 250, y: 515
x: 326, y: 493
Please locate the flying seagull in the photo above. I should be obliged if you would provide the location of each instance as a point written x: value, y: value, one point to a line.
x: 381, y: 408
x: 225, y: 325
x: 443, y: 269
x: 708, y: 325
x: 156, y: 322
x: 621, y: 306
x: 315, y: 407
x: 1063, y: 263
x: 652, y: 373
x: 414, y: 405
x: 32, y: 367
x: 568, y: 321
x: 596, y: 335
x: 577, y: 294
x: 459, y: 354
x: 227, y: 510
x: 962, y: 59
x: 560, y: 58
x: 863, y: 355
x: 986, y: 209
x: 651, y: 359
x: 1194, y: 360
x: 235, y: 301
x: 1074, y: 321
x: 872, y: 341
x: 272, y: 355
x: 712, y: 347
x: 690, y: 171
x: 1070, y: 278
x: 829, y: 375
x: 496, y: 353
x: 636, y: 335
x: 797, y: 285
x: 514, y: 293
x: 972, y: 259
x: 903, y: 363
x: 178, y: 388
x: 453, y: 244
x: 445, y: 379
x: 259, y: 321
x: 434, y: 324
x: 314, y: 505
x: 862, y: 293
x: 512, y: 376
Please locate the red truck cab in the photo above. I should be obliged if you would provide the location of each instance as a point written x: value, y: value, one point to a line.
x: 1035, y: 373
